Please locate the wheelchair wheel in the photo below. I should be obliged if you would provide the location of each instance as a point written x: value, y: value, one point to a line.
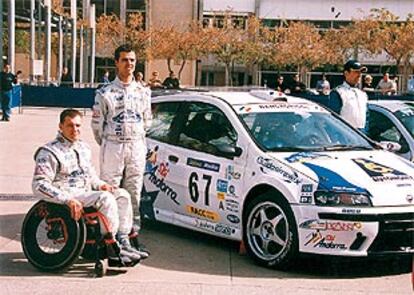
x: 51, y: 239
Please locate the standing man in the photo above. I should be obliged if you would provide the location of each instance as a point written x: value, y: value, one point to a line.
x: 121, y: 115
x: 7, y: 80
x: 172, y: 82
x: 66, y: 80
x: 64, y: 174
x: 347, y: 99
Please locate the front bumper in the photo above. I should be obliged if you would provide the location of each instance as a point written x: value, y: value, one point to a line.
x: 395, y: 232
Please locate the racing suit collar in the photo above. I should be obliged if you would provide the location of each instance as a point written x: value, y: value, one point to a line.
x: 121, y: 84
x: 347, y: 85
x: 64, y: 141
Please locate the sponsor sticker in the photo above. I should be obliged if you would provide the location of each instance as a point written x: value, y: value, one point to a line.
x: 222, y: 185
x: 307, y: 188
x: 317, y: 240
x: 289, y: 176
x: 233, y: 218
x: 203, y: 213
x: 221, y: 196
x: 306, y: 199
x: 331, y: 225
x: 203, y: 164
x: 381, y: 173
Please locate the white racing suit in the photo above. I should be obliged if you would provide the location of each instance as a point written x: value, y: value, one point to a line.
x: 354, y: 105
x: 63, y: 171
x: 121, y: 115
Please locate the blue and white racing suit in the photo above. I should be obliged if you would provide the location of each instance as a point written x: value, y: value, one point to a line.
x: 63, y: 171
x: 121, y: 115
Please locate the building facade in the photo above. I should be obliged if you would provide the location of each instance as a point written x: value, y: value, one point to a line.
x: 324, y: 14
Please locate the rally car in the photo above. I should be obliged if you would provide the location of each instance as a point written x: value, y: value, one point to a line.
x: 282, y: 174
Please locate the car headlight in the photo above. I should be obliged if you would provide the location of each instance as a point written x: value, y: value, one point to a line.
x: 325, y: 198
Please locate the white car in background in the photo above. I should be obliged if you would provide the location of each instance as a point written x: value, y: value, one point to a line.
x: 393, y: 121
x: 282, y: 174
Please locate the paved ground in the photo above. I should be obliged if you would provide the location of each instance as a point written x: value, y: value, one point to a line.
x: 183, y: 262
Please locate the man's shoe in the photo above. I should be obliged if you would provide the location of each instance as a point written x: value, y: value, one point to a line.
x: 128, y: 250
x: 143, y: 251
x: 118, y: 256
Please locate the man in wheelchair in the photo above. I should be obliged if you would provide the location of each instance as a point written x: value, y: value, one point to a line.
x: 64, y: 175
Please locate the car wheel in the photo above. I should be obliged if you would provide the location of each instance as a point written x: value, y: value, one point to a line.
x: 270, y: 233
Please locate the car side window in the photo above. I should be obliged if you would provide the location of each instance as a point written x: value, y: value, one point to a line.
x: 164, y: 115
x: 381, y: 128
x: 206, y: 128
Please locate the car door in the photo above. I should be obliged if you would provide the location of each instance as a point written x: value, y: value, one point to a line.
x: 207, y: 180
x: 159, y: 200
x: 381, y: 127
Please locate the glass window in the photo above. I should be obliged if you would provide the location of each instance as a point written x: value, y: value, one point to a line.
x: 164, y: 120
x: 136, y: 5
x: 381, y: 128
x: 302, y: 131
x: 406, y: 116
x: 206, y: 129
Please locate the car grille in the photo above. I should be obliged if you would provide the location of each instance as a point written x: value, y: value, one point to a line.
x: 395, y: 235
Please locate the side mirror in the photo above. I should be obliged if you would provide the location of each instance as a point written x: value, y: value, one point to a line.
x: 390, y: 146
x: 229, y: 151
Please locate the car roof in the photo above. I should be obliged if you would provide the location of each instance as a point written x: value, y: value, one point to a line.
x: 236, y: 98
x: 392, y: 105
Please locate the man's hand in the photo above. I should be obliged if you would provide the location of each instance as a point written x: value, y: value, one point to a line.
x: 76, y: 209
x: 107, y: 187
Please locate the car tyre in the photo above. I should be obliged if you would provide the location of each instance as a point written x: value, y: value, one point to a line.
x: 270, y: 233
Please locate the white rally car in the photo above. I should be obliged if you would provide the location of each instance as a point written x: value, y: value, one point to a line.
x: 282, y: 174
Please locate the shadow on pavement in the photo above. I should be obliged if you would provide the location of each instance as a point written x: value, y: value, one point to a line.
x: 179, y: 249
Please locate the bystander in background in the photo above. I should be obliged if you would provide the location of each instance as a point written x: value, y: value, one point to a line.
x: 367, y: 84
x: 297, y: 86
x: 66, y: 80
x: 323, y: 86
x: 139, y: 78
x: 386, y: 85
x: 105, y: 78
x: 155, y: 82
x: 281, y: 84
x: 172, y: 82
x: 6, y: 89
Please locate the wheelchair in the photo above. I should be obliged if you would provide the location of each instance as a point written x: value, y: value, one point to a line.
x: 52, y: 240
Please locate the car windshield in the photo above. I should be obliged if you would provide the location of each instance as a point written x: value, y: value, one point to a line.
x: 302, y: 131
x: 406, y: 116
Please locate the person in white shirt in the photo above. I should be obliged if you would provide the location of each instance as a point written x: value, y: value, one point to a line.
x: 347, y: 99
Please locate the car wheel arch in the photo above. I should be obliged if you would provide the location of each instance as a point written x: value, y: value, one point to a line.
x: 262, y: 189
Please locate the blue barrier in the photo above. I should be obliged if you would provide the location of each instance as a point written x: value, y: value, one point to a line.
x: 58, y: 96
x: 16, y: 96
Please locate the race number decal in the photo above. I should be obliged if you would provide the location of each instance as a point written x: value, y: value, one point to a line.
x: 379, y: 172
x: 193, y: 188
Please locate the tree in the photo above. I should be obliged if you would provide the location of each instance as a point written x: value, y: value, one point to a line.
x: 301, y: 45
x: 397, y: 40
x: 111, y: 32
x: 226, y: 43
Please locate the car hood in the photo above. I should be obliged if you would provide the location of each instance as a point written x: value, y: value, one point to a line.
x: 388, y: 178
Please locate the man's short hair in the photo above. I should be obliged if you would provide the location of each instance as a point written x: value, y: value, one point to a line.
x: 122, y: 48
x: 71, y: 113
